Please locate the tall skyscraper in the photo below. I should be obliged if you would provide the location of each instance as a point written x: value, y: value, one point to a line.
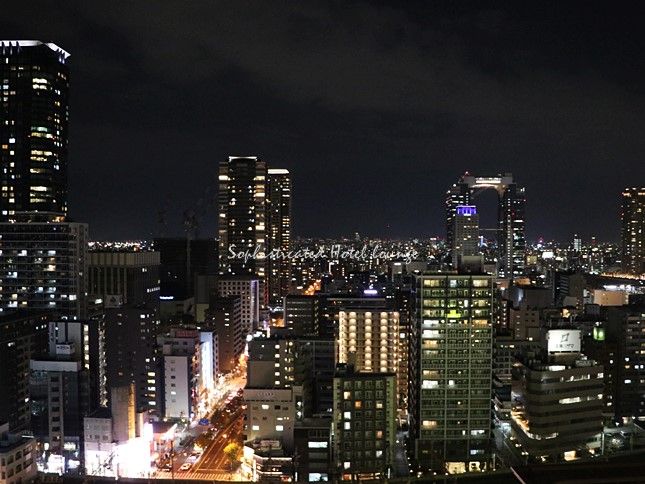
x: 278, y: 234
x: 34, y: 86
x: 466, y: 233
x: 43, y: 258
x: 255, y: 219
x: 633, y: 231
x: 511, y: 239
x: 242, y: 215
x: 451, y: 372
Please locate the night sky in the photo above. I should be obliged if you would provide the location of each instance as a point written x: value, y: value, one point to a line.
x: 375, y: 107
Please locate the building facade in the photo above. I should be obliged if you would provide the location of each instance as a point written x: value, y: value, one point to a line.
x: 242, y: 215
x: 131, y: 354
x: 369, y: 339
x: 557, y: 399
x: 249, y: 289
x: 364, y: 425
x: 181, y: 261
x: 620, y: 345
x: 43, y: 267
x: 134, y: 276
x: 182, y: 371
x: 225, y: 318
x: 511, y: 239
x: 278, y: 220
x: 313, y: 454
x: 465, y: 233
x: 66, y: 384
x: 23, y: 337
x: 33, y: 132
x: 17, y: 457
x: 451, y: 359
x: 633, y: 231
x: 301, y: 315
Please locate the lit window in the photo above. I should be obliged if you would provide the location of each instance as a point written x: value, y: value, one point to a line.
x: 317, y: 445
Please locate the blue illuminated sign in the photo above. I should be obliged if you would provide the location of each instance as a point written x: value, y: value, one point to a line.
x: 466, y: 210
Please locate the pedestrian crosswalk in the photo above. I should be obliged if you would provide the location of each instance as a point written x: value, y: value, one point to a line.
x: 202, y: 475
x: 218, y: 476
x: 214, y: 475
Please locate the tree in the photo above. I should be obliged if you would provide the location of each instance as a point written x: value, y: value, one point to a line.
x: 233, y: 452
x: 203, y: 441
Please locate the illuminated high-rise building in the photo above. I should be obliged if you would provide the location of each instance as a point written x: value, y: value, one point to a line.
x: 278, y: 221
x: 511, y: 239
x: 368, y: 337
x: 633, y: 231
x: 242, y: 216
x: 34, y: 86
x: 43, y: 258
x: 364, y: 426
x: 465, y: 234
x: 43, y: 267
x: 255, y: 221
x: 451, y: 361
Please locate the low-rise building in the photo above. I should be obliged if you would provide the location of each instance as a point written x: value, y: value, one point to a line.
x: 267, y: 461
x: 312, y: 457
x: 557, y: 399
x: 16, y: 457
x: 271, y: 413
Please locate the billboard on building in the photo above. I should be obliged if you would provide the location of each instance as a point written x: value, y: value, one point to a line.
x: 563, y: 340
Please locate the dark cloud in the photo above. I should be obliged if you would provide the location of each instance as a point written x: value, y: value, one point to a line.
x: 376, y: 107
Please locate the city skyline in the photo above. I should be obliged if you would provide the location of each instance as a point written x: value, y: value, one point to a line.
x: 374, y: 108
x: 317, y: 285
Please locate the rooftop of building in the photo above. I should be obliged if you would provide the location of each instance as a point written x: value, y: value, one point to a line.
x: 266, y: 448
x: 162, y: 427
x: 314, y: 423
x: 7, y: 316
x: 101, y: 412
x: 344, y: 370
x: 9, y: 441
x: 8, y: 45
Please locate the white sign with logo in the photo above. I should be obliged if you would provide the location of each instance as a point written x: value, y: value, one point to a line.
x: 563, y: 340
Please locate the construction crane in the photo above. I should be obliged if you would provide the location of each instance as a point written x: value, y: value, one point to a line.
x: 191, y: 220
